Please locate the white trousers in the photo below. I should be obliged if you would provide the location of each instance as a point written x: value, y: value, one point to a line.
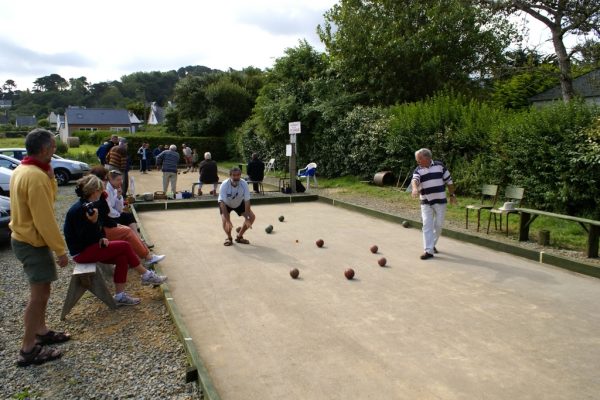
x: 170, y: 177
x: 433, y: 218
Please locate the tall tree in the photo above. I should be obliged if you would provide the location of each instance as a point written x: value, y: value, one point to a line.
x: 50, y: 83
x: 403, y: 50
x: 9, y: 86
x: 562, y: 17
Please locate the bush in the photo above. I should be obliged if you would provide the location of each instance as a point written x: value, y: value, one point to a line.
x: 216, y: 145
x: 73, y: 141
x: 61, y: 148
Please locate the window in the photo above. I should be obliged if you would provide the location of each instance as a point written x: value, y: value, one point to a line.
x: 88, y: 129
x: 119, y: 128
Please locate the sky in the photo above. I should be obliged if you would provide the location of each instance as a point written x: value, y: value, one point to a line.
x: 105, y: 40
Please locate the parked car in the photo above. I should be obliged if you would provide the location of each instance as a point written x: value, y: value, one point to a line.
x: 5, y: 175
x: 4, y: 219
x: 65, y: 170
x: 8, y: 162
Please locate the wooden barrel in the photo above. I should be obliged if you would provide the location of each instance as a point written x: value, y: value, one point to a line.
x: 383, y: 178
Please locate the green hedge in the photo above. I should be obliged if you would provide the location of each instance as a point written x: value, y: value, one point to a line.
x: 215, y: 145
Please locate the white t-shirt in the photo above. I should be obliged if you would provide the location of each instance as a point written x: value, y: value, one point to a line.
x: 234, y: 196
x: 187, y: 152
x: 114, y: 202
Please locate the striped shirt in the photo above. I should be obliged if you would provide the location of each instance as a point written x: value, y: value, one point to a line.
x: 432, y: 183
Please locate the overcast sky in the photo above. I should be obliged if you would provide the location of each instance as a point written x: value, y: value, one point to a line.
x: 106, y: 40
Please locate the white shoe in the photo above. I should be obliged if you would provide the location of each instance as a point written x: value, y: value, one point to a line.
x: 156, y: 258
x: 152, y: 279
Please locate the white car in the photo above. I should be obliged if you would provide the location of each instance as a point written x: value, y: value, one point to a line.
x: 64, y: 170
x: 5, y: 175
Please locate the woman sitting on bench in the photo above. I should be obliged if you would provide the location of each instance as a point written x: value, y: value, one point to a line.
x: 87, y: 244
x: 116, y: 231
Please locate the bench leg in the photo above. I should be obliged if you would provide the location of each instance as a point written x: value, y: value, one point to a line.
x: 524, y: 227
x: 592, y: 245
x: 95, y: 283
x: 77, y: 288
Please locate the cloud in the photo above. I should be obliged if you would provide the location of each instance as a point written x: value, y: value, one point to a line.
x: 289, y: 21
x: 20, y: 60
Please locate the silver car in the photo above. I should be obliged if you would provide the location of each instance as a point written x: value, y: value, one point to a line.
x: 65, y: 170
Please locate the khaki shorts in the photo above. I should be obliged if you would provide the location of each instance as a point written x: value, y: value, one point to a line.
x: 38, y: 262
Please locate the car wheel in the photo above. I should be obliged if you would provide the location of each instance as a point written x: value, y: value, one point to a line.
x: 62, y: 176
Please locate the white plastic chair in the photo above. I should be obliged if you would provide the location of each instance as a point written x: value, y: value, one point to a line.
x: 308, y: 171
x: 270, y: 166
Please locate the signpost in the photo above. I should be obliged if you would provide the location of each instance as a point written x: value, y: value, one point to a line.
x: 294, y: 129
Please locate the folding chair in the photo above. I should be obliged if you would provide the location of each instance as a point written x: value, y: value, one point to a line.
x: 489, y: 193
x: 512, y: 194
x: 270, y: 166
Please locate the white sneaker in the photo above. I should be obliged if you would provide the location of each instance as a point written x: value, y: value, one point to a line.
x: 125, y: 300
x: 150, y: 278
x: 156, y: 258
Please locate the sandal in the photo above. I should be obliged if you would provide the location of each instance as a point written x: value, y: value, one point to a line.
x: 38, y: 355
x: 241, y: 240
x: 52, y: 337
x: 228, y: 242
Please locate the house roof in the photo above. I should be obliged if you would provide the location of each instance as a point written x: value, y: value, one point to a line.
x: 586, y: 85
x: 25, y: 120
x: 97, y: 116
x: 159, y: 112
x: 134, y: 119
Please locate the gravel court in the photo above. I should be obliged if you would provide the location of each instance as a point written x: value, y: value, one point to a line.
x: 471, y: 323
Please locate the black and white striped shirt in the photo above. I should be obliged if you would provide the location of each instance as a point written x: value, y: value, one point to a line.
x: 432, y: 183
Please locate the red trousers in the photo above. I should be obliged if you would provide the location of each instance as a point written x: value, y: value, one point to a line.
x: 118, y: 252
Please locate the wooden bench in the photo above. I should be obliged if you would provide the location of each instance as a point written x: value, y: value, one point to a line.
x: 92, y: 277
x: 529, y: 215
x: 195, y: 184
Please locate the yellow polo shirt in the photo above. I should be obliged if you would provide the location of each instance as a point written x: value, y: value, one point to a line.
x: 32, y: 196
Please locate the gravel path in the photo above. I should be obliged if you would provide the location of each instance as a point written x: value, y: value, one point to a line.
x: 133, y: 352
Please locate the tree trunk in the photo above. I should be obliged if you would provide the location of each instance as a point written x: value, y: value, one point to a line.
x: 564, y: 62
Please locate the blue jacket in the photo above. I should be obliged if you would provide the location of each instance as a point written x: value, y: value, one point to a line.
x: 170, y: 159
x: 80, y: 233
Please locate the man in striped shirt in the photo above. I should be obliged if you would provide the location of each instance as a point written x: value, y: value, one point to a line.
x: 429, y: 182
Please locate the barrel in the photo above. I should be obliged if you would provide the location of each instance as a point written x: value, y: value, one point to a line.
x: 383, y: 178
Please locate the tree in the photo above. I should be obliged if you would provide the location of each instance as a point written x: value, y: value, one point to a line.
x: 562, y: 17
x: 52, y: 82
x: 394, y: 51
x: 79, y: 85
x: 9, y: 86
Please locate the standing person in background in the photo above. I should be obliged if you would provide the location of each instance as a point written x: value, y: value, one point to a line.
x: 429, y: 182
x: 187, y: 155
x: 169, y: 160
x: 144, y: 153
x: 155, y: 153
x: 35, y: 235
x: 119, y: 159
x: 208, y: 174
x: 103, y: 150
x: 256, y: 171
x: 195, y: 160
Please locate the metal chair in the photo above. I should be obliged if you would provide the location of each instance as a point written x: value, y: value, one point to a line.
x: 270, y: 166
x: 512, y: 194
x: 489, y: 196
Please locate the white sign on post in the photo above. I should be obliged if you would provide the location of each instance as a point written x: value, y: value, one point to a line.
x: 293, y: 138
x: 288, y: 150
x: 294, y: 128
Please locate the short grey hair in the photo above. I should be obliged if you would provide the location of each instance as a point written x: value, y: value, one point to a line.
x: 37, y: 141
x: 424, y: 152
x: 173, y: 147
x: 207, y: 156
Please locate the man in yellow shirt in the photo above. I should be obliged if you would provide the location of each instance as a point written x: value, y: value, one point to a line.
x: 35, y: 235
